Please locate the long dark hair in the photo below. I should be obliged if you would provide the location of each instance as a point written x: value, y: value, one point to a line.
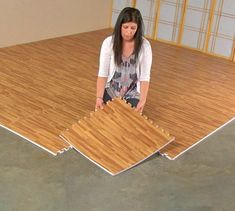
x: 128, y: 14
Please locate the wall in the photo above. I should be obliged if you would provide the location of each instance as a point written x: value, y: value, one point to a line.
x: 204, y: 25
x: 23, y: 21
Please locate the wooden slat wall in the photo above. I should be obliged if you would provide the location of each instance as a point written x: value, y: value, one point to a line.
x: 116, y: 137
x: 46, y: 86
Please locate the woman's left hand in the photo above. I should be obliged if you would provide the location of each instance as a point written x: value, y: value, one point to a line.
x: 140, y: 106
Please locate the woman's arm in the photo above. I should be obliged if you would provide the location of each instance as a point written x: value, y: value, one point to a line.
x: 145, y: 66
x: 144, y: 87
x: 104, y: 66
x: 101, y: 81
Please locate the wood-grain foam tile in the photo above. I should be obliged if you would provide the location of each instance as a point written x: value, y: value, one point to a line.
x: 116, y: 138
x: 52, y: 83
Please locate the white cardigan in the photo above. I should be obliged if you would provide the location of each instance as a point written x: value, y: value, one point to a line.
x: 107, y: 65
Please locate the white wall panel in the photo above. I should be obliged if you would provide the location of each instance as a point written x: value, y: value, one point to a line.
x: 169, y: 20
x: 118, y: 5
x: 196, y: 23
x: 223, y: 30
x: 223, y: 47
x: 190, y: 38
x: 229, y: 7
x: 148, y: 11
x: 165, y: 32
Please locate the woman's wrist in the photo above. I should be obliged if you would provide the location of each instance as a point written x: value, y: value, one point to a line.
x: 99, y: 98
x: 142, y: 100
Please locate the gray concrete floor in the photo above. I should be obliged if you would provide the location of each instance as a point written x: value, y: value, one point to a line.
x: 202, y: 179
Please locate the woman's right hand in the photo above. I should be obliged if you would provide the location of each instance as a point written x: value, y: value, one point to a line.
x: 99, y: 103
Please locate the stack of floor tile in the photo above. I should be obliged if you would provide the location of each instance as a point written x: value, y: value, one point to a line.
x: 116, y: 138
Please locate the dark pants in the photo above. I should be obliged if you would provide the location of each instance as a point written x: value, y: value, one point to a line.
x: 132, y: 101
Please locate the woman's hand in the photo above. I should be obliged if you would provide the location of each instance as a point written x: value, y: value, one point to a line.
x: 101, y: 81
x: 99, y: 103
x: 140, y: 106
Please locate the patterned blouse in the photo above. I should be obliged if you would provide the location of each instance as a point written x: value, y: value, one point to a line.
x: 123, y: 83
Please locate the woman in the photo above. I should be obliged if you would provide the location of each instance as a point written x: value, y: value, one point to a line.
x: 125, y: 62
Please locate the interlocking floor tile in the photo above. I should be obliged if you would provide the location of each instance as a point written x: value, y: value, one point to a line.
x: 116, y: 138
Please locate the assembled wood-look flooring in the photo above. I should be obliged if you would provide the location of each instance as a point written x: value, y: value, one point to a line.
x: 46, y: 86
x: 116, y: 138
